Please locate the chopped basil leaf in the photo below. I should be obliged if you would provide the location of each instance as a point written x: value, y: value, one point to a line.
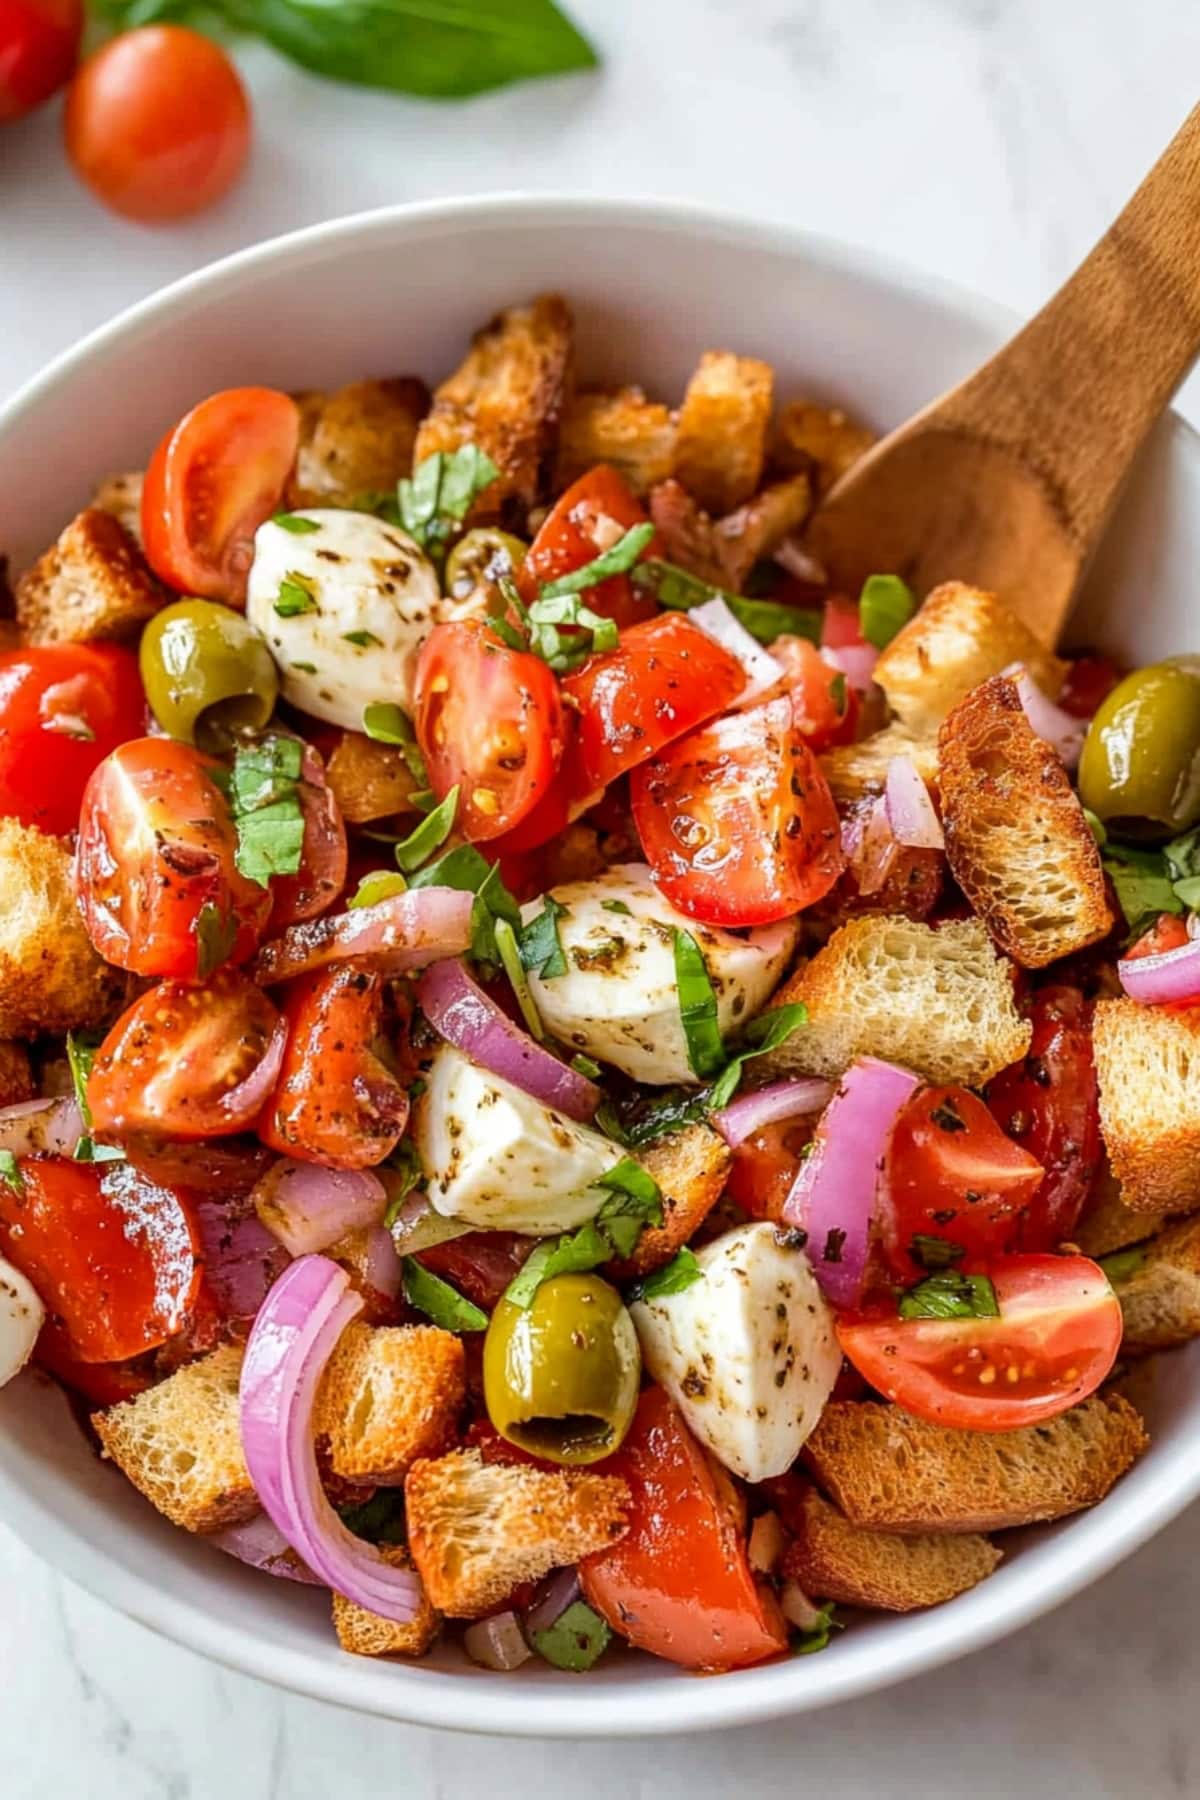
x: 510, y: 961
x: 817, y: 1636
x: 215, y: 933
x: 697, y: 1007
x: 295, y: 596
x: 672, y: 1111
x: 436, y: 499
x: 264, y: 797
x: 572, y: 1254
x: 380, y: 884
x: 296, y: 522
x: 634, y: 1201
x: 1123, y: 1263
x: 400, y: 1174
x: 577, y: 1639
x: 1189, y: 892
x: 10, y: 1172
x: 606, y: 1120
x: 364, y: 640
x: 618, y: 559
x: 87, y: 1150
x: 304, y: 668
x: 81, y: 1054
x: 885, y: 605
x: 541, y: 947
x: 429, y: 835
x: 935, y: 1252
x: 1142, y: 882
x: 767, y: 1032
x: 583, y: 1065
x: 673, y: 1278
x: 616, y: 906
x: 380, y: 1520
x: 950, y: 1295
x: 765, y: 620
x: 438, y: 1300
x: 464, y: 868
x: 390, y: 724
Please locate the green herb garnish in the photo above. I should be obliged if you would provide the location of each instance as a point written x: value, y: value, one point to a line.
x: 436, y: 499
x: 81, y: 1054
x: 541, y: 946
x: 438, y: 1300
x: 10, y: 1171
x: 295, y: 596
x: 296, y: 522
x: 697, y: 1007
x: 380, y: 884
x: 364, y: 640
x: 672, y: 1112
x: 817, y: 1636
x: 765, y: 620
x: 616, y: 906
x: 464, y: 868
x: 618, y: 559
x: 380, y: 1520
x: 265, y: 800
x: 215, y: 933
x: 387, y: 723
x: 577, y: 1639
x: 583, y: 1065
x: 400, y: 1174
x: 1123, y: 1263
x: 509, y: 952
x: 672, y: 1278
x: 767, y: 1032
x: 1143, y: 884
x: 950, y: 1295
x: 935, y: 1252
x: 429, y: 835
x: 885, y: 605
x: 634, y: 1201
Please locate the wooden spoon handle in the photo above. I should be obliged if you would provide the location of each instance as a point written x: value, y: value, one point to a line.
x: 1077, y: 390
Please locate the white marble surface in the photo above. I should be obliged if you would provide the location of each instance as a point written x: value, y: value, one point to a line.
x: 987, y: 139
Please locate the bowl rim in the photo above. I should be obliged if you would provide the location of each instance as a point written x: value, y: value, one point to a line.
x: 1088, y: 1548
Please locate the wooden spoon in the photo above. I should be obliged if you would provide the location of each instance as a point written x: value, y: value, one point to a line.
x: 1009, y: 479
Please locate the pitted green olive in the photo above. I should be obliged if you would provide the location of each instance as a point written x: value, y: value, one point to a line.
x: 1140, y: 767
x: 479, y: 559
x: 560, y: 1376
x: 208, y: 674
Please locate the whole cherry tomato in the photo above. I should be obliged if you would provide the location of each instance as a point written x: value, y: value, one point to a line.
x: 63, y: 707
x: 39, y: 42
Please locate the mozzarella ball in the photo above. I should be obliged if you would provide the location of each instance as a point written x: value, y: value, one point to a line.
x: 21, y: 1318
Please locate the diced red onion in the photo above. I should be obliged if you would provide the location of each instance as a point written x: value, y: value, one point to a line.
x: 457, y: 1006
x: 781, y: 1100
x: 841, y: 624
x: 497, y: 1643
x: 242, y: 1259
x: 855, y: 661
x: 261, y: 1545
x: 833, y: 1195
x: 717, y: 622
x: 1056, y: 727
x: 294, y: 1335
x: 381, y: 1264
x: 1169, y: 977
x: 41, y: 1127
x: 419, y: 1226
x: 308, y: 1207
x: 797, y: 1608
x: 791, y: 555
x: 910, y: 811
x: 870, y: 846
x: 406, y: 932
x: 554, y: 1595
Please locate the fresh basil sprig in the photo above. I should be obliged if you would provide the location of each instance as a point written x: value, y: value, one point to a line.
x: 439, y: 1301
x: 634, y: 1201
x: 678, y: 591
x: 435, y: 500
x: 697, y: 1007
x: 264, y: 796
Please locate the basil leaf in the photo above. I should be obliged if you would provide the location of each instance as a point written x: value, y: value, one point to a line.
x: 577, y: 1639
x: 464, y: 868
x: 583, y: 1065
x: 950, y: 1295
x: 616, y: 906
x: 429, y: 835
x: 10, y: 1172
x: 697, y: 1007
x: 935, y: 1252
x: 380, y: 1520
x: 362, y: 640
x: 400, y: 1174
x: 438, y: 1300
x: 817, y: 1636
x: 390, y: 724
x: 678, y: 591
x: 435, y: 500
x: 572, y: 1254
x: 296, y: 522
x: 618, y: 559
x: 1123, y: 1263
x: 215, y: 934
x: 270, y: 841
x: 767, y: 1032
x: 885, y: 605
x: 657, y: 1118
x: 510, y: 961
x: 672, y: 1278
x: 634, y: 1201
x: 1142, y: 882
x: 380, y: 884
x: 295, y: 596
x: 541, y: 946
x: 81, y: 1054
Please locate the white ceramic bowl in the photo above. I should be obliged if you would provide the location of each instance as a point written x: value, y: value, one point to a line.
x: 652, y: 285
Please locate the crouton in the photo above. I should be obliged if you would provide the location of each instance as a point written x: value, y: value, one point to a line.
x: 685, y: 532
x: 357, y: 440
x: 1108, y: 1224
x: 369, y: 780
x: 51, y: 979
x: 507, y: 397
x: 635, y: 435
x: 16, y: 1075
x: 817, y: 440
x: 477, y: 1529
x: 960, y: 636
x: 890, y: 1471
x: 690, y: 1167
x: 1017, y: 841
x: 390, y: 1395
x: 855, y: 770
x: 121, y: 495
x: 91, y: 583
x: 938, y: 1001
x: 835, y: 1560
x: 1160, y: 1292
x: 180, y: 1444
x: 1148, y: 1070
x: 364, y: 1633
x: 753, y: 531
x: 723, y: 423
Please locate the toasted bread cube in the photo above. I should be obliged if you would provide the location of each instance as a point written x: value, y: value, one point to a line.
x: 1148, y: 1069
x: 51, y: 979
x: 855, y: 771
x: 691, y: 1167
x: 357, y: 441
x: 889, y: 1471
x: 477, y: 1529
x: 1017, y: 841
x: 723, y: 424
x: 1160, y: 1299
x: 1108, y: 1224
x: 121, y: 495
x: 818, y: 440
x: 939, y: 1001
x: 364, y: 1633
x: 754, y: 530
x: 507, y: 397
x: 634, y: 435
x: 16, y: 1075
x: 686, y: 532
x: 369, y: 780
x: 836, y: 1560
x: 180, y: 1444
x: 960, y: 636
x: 91, y: 583
x: 390, y: 1395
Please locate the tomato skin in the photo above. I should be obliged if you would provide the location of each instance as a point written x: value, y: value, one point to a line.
x: 951, y: 1173
x: 489, y: 721
x: 335, y: 1102
x: 678, y: 1583
x: 157, y: 123
x: 1089, y: 680
x: 114, y: 1257
x: 51, y: 696
x: 1168, y: 932
x: 765, y: 1167
x: 39, y: 42
x: 212, y: 481
x: 324, y: 854
x: 157, y: 845
x: 481, y: 1263
x: 1049, y: 1103
x: 568, y: 539
x: 737, y: 820
x: 824, y: 705
x: 100, y: 1384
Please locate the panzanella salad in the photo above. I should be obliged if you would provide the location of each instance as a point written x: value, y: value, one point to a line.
x: 561, y: 1080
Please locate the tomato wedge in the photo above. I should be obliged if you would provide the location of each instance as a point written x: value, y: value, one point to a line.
x: 489, y: 721
x: 824, y: 705
x: 63, y: 707
x: 1056, y: 1339
x: 737, y: 820
x: 154, y: 867
x: 589, y: 518
x: 114, y: 1257
x: 765, y: 1166
x: 678, y: 1583
x: 324, y: 853
x: 213, y: 480
x: 189, y: 1062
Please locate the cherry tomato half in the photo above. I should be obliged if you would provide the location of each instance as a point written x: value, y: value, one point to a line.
x: 1089, y: 680
x: 157, y: 123
x: 63, y: 707
x: 765, y: 1166
x: 39, y: 42
x: 737, y: 820
x: 489, y: 721
x: 824, y: 705
x: 1168, y: 932
x: 1056, y: 1339
x: 212, y: 481
x: 589, y: 518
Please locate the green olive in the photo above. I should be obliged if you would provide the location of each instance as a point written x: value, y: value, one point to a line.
x: 208, y: 674
x: 1140, y: 767
x: 560, y: 1376
x: 479, y: 559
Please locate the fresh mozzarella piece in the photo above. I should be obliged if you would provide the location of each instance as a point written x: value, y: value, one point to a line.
x: 499, y: 1159
x: 375, y: 598
x: 21, y: 1318
x: 748, y: 1352
x: 618, y: 1000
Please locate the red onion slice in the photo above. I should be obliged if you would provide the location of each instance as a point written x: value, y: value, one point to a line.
x: 261, y: 1545
x: 41, y: 1127
x: 242, y: 1259
x: 308, y: 1207
x: 293, y: 1338
x: 457, y: 1006
x: 717, y: 622
x: 1058, y: 728
x: 910, y: 811
x: 1169, y: 977
x: 550, y: 1602
x: 833, y: 1196
x: 381, y: 1264
x: 870, y: 846
x: 497, y: 1643
x: 406, y: 932
x: 781, y: 1100
x: 855, y: 661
